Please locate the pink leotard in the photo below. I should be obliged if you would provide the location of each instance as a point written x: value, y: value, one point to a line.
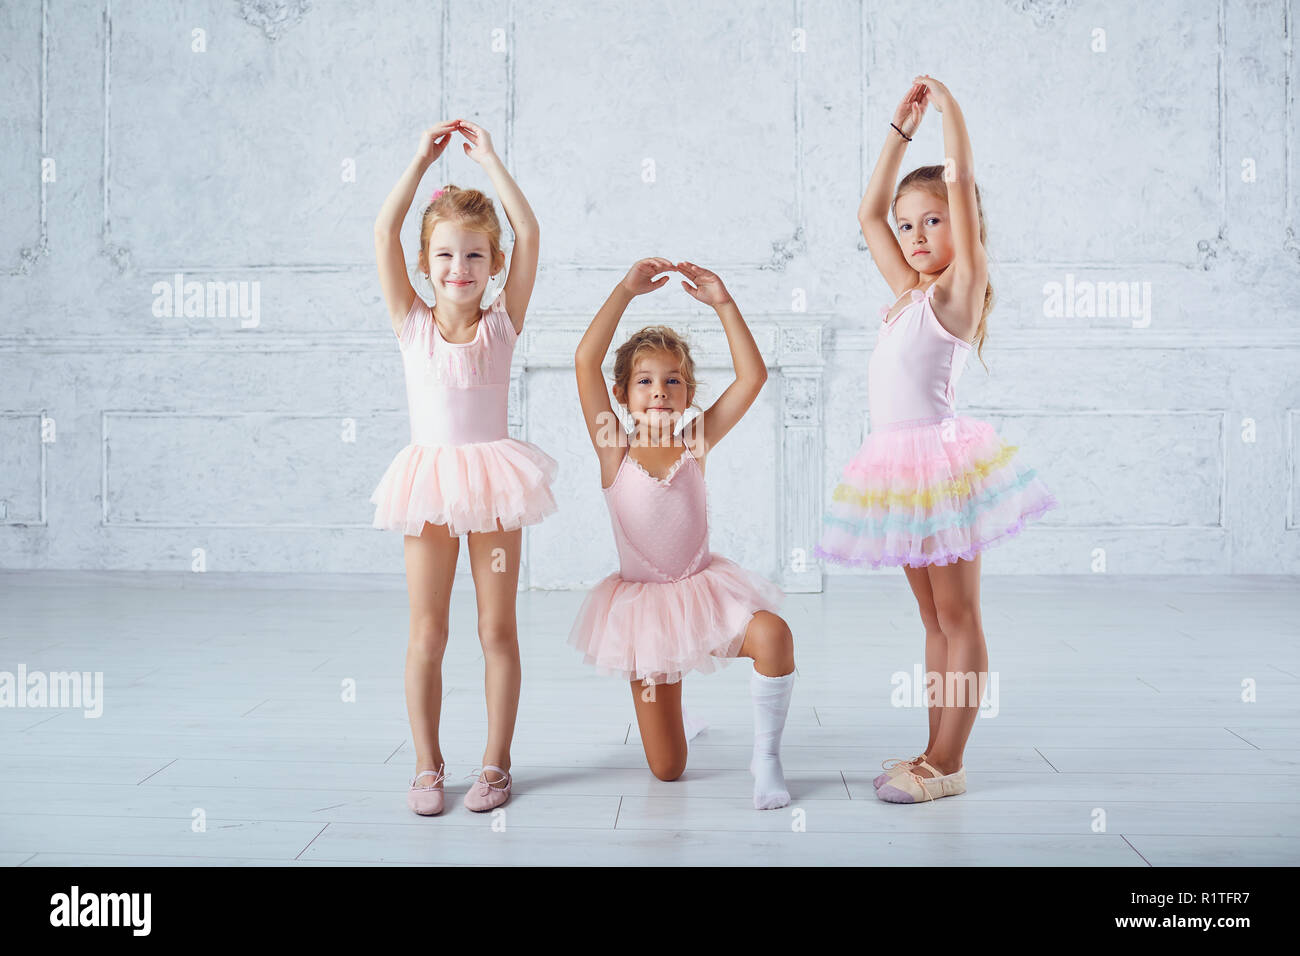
x: 915, y: 365
x: 457, y: 392
x: 661, y: 528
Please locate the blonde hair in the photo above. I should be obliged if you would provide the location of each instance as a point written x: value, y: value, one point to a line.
x: 653, y: 338
x: 929, y: 179
x: 468, y: 208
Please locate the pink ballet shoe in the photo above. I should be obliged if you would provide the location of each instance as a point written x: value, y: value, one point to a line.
x: 911, y: 787
x: 427, y: 801
x: 893, y: 767
x: 485, y: 795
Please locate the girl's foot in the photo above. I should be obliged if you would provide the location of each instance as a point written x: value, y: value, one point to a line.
x: 893, y: 767
x: 771, y: 697
x: 426, y: 799
x: 923, y: 782
x: 489, y: 790
x: 770, y: 792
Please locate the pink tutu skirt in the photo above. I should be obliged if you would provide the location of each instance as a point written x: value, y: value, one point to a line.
x: 929, y: 492
x: 657, y: 632
x: 466, y: 487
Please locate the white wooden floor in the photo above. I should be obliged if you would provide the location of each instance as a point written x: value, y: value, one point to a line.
x: 1121, y: 738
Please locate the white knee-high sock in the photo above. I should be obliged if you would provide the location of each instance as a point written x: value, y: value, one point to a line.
x: 771, y: 704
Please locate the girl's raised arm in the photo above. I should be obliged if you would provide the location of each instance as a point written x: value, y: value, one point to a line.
x: 393, y: 278
x: 873, y: 213
x: 969, y: 264
x: 592, y: 391
x: 523, y: 257
x: 751, y: 371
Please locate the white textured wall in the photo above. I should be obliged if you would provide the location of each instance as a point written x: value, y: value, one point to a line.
x: 128, y: 440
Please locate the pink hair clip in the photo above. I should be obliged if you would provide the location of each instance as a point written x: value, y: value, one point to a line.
x: 437, y: 194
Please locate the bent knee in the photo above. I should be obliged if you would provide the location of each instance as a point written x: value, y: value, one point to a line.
x: 770, y: 629
x: 668, y: 767
x: 769, y: 636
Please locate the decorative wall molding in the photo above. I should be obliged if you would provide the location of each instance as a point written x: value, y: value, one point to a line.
x: 1292, y: 489
x: 1042, y: 12
x: 117, y: 253
x: 549, y: 340
x: 10, y: 516
x: 1289, y: 244
x: 29, y: 255
x: 274, y: 17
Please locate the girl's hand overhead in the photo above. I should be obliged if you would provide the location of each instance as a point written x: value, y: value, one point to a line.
x: 639, y: 278
x: 907, y: 116
x: 708, y: 287
x: 935, y: 92
x: 479, y: 147
x: 435, y: 140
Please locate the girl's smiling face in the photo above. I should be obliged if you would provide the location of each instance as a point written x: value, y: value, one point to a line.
x: 923, y: 231
x: 458, y: 262
x: 657, y: 394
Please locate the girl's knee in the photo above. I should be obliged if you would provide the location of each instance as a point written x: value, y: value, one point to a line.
x: 667, y: 766
x: 769, y: 637
x: 930, y: 619
x: 770, y: 628
x: 960, y: 622
x: 498, y: 637
x: 428, y: 639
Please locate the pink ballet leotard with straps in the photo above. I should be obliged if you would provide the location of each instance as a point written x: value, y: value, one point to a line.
x: 915, y: 366
x: 673, y: 606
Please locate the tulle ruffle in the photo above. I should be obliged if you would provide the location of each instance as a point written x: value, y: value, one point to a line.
x: 927, y: 493
x: 466, y: 487
x: 657, y: 632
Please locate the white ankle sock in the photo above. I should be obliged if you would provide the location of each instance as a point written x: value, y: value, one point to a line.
x: 771, y: 704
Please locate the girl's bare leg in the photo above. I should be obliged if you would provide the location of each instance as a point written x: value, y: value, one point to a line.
x: 430, y: 569
x: 659, y: 718
x: 494, y: 561
x: 957, y: 603
x: 936, y: 643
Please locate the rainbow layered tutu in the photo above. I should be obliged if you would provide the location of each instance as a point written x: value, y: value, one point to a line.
x: 929, y: 492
